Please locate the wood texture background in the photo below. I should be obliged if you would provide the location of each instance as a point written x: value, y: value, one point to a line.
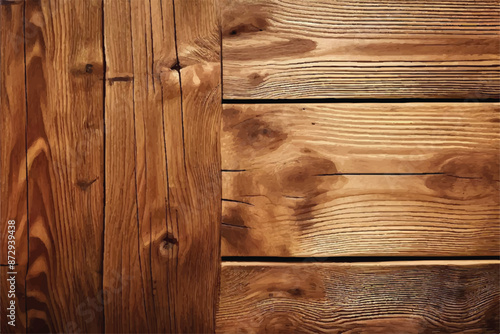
x: 288, y: 49
x: 122, y: 169
x: 390, y: 297
x: 361, y: 179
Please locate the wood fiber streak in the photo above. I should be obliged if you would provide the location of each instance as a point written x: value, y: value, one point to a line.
x: 65, y: 165
x: 416, y: 297
x: 162, y: 165
x: 13, y: 196
x: 286, y: 49
x: 361, y: 179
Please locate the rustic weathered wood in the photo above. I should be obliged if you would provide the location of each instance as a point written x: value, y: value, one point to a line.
x: 13, y: 196
x: 162, y: 166
x: 298, y: 180
x: 412, y: 297
x: 369, y: 49
x: 361, y: 179
x: 64, y: 71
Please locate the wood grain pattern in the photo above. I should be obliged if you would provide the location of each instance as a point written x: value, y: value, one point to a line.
x: 372, y: 49
x: 64, y: 71
x: 387, y: 297
x: 162, y: 165
x: 135, y: 167
x: 361, y: 179
x: 13, y: 196
x: 193, y: 155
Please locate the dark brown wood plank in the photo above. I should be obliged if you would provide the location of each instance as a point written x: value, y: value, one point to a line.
x: 64, y: 58
x: 415, y: 179
x: 386, y: 297
x: 275, y: 49
x: 163, y: 106
x: 13, y: 195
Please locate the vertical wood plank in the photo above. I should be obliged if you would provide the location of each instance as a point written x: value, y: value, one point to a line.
x: 65, y: 165
x: 136, y: 180
x: 194, y: 166
x: 13, y: 195
x: 121, y: 243
x: 163, y: 106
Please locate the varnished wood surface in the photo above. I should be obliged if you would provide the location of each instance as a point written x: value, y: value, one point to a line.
x: 64, y: 71
x: 163, y: 190
x: 13, y: 196
x: 361, y: 179
x: 386, y: 297
x: 278, y: 49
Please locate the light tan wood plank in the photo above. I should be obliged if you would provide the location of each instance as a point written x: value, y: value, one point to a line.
x: 285, y: 49
x: 13, y: 195
x: 163, y: 107
x: 386, y: 297
x: 361, y: 179
x: 64, y: 59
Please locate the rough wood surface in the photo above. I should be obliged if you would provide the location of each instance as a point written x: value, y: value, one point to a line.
x: 162, y: 166
x: 367, y: 298
x: 13, y: 196
x: 361, y: 179
x: 64, y: 76
x: 369, y: 49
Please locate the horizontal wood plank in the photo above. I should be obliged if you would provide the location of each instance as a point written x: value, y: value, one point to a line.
x: 387, y: 297
x: 276, y: 49
x: 409, y: 179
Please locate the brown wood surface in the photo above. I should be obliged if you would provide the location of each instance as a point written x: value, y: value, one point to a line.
x: 13, y: 196
x: 111, y: 151
x: 64, y: 77
x: 361, y: 179
x: 163, y: 189
x: 386, y: 297
x: 372, y: 49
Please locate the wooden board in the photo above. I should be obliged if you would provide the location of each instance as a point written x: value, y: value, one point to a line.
x: 123, y: 281
x: 387, y: 297
x: 276, y: 49
x: 13, y: 196
x: 410, y: 179
x: 163, y: 187
x: 64, y: 77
